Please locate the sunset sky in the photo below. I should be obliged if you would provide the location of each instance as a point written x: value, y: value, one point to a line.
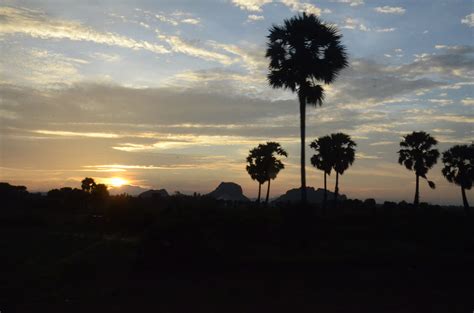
x: 173, y: 94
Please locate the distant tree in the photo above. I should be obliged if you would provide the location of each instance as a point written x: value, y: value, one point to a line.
x: 418, y: 155
x: 343, y: 154
x: 100, y: 190
x: 255, y: 168
x: 323, y: 160
x: 99, y: 195
x: 304, y: 53
x: 459, y: 169
x: 263, y: 164
x: 271, y: 164
x: 88, y: 184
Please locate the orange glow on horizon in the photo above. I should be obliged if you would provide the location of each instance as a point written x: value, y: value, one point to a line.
x: 117, y: 181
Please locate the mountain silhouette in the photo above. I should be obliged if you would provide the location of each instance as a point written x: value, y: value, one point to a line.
x: 154, y: 193
x: 127, y: 189
x: 313, y: 196
x: 229, y: 192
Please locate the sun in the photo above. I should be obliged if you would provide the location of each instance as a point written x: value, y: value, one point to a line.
x: 117, y: 181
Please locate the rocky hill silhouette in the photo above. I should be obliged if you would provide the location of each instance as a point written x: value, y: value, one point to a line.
x: 154, y: 193
x: 228, y: 191
x: 314, y: 196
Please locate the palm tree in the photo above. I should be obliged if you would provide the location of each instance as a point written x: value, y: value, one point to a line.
x: 304, y: 53
x: 459, y: 169
x: 417, y: 155
x: 255, y: 168
x: 263, y: 164
x: 323, y: 160
x: 343, y: 154
x: 271, y: 165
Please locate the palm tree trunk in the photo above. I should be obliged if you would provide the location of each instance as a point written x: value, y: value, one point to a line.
x: 259, y: 192
x: 467, y: 209
x: 417, y: 191
x: 302, y: 133
x: 336, y: 190
x: 325, y: 199
x: 268, y: 191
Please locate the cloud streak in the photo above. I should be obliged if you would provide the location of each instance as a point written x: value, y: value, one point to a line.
x: 36, y: 24
x: 390, y: 10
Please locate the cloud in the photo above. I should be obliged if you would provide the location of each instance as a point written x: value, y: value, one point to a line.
x: 39, y: 67
x: 468, y: 101
x: 166, y: 19
x: 382, y: 143
x: 181, y: 46
x: 367, y: 83
x: 185, y: 141
x: 38, y: 25
x: 251, y: 5
x: 293, y: 5
x: 355, y: 24
x: 296, y: 5
x: 468, y: 20
x: 175, y: 18
x: 75, y: 134
x: 441, y: 102
x: 253, y: 17
x: 363, y: 156
x: 390, y: 10
x: 443, y: 130
x: 454, y: 62
x: 192, y: 21
x: 352, y: 3
x: 106, y: 57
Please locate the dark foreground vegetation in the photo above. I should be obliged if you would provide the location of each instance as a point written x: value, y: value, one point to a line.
x: 73, y: 252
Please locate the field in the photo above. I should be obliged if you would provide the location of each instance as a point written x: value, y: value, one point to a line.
x: 243, y: 260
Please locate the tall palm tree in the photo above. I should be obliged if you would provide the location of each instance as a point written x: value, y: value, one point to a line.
x: 255, y: 168
x: 323, y: 160
x: 418, y: 155
x: 459, y: 169
x: 271, y: 165
x: 304, y: 53
x: 343, y: 154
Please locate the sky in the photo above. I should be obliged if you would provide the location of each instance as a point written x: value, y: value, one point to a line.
x: 173, y: 94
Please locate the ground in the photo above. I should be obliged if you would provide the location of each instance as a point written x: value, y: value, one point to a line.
x: 345, y: 269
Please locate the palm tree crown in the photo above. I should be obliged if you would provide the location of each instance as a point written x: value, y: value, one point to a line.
x: 304, y: 53
x: 418, y: 154
x: 343, y: 152
x: 323, y: 158
x: 271, y: 164
x: 459, y: 165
